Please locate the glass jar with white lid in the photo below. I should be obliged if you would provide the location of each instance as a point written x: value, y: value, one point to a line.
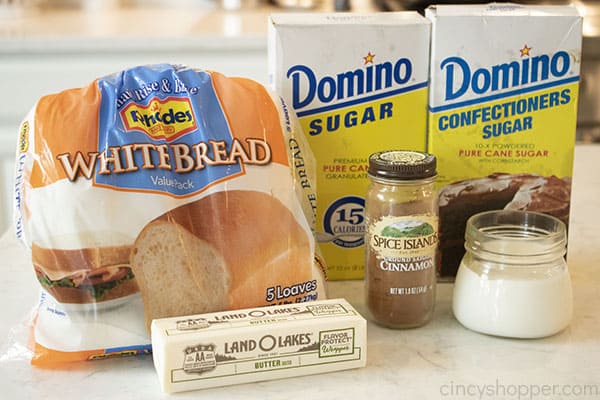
x: 513, y: 280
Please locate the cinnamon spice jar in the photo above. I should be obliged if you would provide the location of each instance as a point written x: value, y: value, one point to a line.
x: 402, y: 225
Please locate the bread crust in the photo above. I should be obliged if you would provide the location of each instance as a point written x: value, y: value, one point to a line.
x: 261, y: 242
x: 250, y: 230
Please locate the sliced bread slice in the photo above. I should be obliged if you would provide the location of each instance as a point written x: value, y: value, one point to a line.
x: 165, y: 259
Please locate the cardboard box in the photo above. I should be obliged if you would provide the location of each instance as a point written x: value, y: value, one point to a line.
x: 250, y: 345
x: 358, y: 84
x: 503, y: 108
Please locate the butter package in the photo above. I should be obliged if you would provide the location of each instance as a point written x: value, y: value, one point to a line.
x: 257, y: 344
x: 502, y: 112
x: 358, y: 83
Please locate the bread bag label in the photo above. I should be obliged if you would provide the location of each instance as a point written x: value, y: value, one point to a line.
x: 364, y: 91
x: 502, y: 112
x: 160, y: 191
x: 154, y: 121
x: 154, y: 146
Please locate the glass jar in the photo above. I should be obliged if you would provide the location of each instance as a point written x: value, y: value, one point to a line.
x: 513, y: 280
x: 401, y: 240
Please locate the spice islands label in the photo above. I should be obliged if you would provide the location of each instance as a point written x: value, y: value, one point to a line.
x: 404, y: 244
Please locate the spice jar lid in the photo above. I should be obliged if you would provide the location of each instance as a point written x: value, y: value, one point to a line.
x: 402, y: 164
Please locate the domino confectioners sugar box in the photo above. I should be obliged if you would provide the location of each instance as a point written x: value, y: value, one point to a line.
x: 503, y: 107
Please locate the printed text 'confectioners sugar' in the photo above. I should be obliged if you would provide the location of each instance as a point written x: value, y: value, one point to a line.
x: 502, y: 112
x: 526, y: 76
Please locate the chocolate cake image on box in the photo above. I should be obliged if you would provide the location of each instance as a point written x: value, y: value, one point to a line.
x: 460, y: 200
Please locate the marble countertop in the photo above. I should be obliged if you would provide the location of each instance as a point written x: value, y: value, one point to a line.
x: 440, y: 360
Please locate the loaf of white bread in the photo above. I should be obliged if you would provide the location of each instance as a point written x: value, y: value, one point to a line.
x: 221, y: 252
x: 194, y: 189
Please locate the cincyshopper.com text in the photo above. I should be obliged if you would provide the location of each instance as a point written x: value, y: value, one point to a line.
x: 500, y: 390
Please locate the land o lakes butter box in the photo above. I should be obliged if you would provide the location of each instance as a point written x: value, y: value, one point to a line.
x: 503, y: 108
x: 257, y: 344
x: 358, y: 83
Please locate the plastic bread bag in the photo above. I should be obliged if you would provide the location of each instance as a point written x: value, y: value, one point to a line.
x: 161, y: 191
